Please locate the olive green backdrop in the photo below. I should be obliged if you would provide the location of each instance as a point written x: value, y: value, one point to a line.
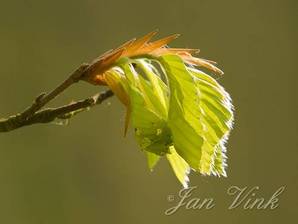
x: 87, y: 172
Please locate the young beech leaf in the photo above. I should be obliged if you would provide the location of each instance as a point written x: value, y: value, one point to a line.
x: 148, y: 119
x: 152, y: 159
x: 180, y: 167
x: 175, y: 110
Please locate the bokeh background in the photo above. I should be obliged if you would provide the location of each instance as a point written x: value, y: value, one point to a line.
x: 87, y: 172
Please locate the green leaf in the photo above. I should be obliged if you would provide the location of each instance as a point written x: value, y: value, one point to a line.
x: 187, y: 118
x: 152, y: 159
x: 148, y: 120
x: 184, y: 111
x: 200, y: 116
x: 180, y: 167
x: 218, y: 116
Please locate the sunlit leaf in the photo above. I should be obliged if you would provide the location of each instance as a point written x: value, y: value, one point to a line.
x: 176, y: 110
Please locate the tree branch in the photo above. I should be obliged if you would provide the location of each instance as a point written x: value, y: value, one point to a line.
x: 50, y: 114
x: 44, y: 98
x: 34, y: 115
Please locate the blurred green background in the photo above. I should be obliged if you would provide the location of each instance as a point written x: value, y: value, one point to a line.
x: 87, y: 172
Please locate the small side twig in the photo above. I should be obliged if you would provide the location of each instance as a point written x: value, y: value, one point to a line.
x: 44, y: 98
x: 50, y: 114
x: 34, y: 113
